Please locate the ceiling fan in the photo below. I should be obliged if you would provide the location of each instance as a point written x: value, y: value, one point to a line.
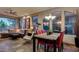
x: 10, y: 11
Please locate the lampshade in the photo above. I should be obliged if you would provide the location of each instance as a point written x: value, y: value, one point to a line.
x: 50, y: 17
x: 53, y: 17
x: 46, y: 17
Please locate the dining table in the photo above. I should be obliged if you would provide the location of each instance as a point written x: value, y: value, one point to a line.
x: 52, y: 37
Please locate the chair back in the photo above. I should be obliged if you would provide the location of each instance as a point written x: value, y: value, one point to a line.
x: 60, y: 39
x: 40, y: 32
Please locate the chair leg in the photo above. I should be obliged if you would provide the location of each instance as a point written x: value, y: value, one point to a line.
x: 59, y: 49
x: 51, y: 50
x: 54, y: 49
x: 47, y: 49
x: 37, y: 47
x: 62, y: 47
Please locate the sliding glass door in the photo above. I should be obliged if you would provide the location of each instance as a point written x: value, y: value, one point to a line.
x: 69, y: 24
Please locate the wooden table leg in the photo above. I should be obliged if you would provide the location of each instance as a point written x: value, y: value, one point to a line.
x: 45, y: 48
x: 34, y: 45
x: 54, y: 46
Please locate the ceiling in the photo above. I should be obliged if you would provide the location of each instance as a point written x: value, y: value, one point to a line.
x: 66, y: 13
x: 25, y: 10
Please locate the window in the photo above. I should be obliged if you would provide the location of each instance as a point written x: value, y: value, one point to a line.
x: 56, y: 25
x: 35, y: 22
x: 22, y: 23
x: 7, y: 23
x: 69, y: 24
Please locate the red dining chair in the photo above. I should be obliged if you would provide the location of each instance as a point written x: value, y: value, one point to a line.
x: 58, y: 43
x: 40, y: 42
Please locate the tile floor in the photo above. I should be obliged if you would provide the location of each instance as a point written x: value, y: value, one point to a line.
x: 8, y: 45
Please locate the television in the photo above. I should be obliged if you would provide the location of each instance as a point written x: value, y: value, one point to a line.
x: 7, y: 23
